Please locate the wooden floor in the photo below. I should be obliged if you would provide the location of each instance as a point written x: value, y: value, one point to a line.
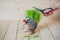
x: 11, y: 30
x: 13, y: 11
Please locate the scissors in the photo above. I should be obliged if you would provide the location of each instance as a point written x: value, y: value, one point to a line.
x: 42, y: 10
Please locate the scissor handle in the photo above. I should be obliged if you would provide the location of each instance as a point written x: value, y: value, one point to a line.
x: 50, y: 10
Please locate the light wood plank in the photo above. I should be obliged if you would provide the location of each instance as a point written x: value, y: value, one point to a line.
x: 46, y: 34
x: 11, y: 33
x: 3, y: 28
x: 55, y: 29
x: 20, y: 34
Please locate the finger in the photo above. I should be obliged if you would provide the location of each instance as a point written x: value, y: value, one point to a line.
x: 46, y: 11
x: 50, y: 13
x: 45, y: 14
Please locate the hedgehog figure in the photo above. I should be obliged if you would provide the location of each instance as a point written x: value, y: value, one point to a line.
x: 31, y: 20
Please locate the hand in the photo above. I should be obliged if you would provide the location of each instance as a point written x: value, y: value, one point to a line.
x: 48, y: 12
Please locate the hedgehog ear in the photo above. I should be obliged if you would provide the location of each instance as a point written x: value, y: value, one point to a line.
x: 24, y: 21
